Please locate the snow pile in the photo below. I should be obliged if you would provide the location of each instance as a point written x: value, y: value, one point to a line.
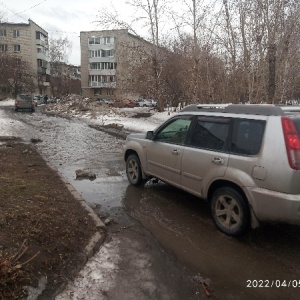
x: 95, y: 113
x: 8, y: 102
x: 74, y: 106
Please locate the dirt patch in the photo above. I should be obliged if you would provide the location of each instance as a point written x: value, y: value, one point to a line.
x: 43, y: 229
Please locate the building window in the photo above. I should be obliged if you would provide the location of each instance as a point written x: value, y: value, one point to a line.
x: 40, y: 36
x: 102, y: 53
x: 100, y: 40
x: 3, y: 48
x: 105, y: 53
x: 103, y: 66
x: 17, y: 48
x: 16, y: 33
x: 94, y: 80
x: 2, y: 32
x: 42, y: 63
x: 41, y: 50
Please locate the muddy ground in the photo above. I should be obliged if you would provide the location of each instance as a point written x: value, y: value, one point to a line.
x: 43, y: 228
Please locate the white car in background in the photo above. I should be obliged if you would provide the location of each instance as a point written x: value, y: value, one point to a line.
x: 146, y: 102
x: 154, y: 102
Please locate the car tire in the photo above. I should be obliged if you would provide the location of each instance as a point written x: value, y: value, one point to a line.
x: 230, y: 211
x: 134, y: 170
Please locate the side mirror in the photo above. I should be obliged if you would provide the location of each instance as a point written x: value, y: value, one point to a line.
x: 149, y: 135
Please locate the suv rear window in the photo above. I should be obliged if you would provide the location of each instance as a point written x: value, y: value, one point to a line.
x: 247, y: 136
x: 25, y: 97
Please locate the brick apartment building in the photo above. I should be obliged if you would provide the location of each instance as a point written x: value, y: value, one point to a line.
x: 109, y: 59
x: 65, y: 79
x: 30, y: 43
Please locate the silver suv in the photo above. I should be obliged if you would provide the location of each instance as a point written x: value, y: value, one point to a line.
x: 243, y: 159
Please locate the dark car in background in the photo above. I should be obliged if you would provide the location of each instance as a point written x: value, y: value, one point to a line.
x: 24, y: 101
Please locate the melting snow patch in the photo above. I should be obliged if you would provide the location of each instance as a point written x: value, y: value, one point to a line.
x: 97, y: 277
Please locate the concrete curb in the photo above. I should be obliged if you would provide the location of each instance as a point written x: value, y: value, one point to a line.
x: 98, y: 237
x: 96, y: 240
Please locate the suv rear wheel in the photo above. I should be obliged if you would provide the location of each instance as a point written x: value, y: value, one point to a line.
x: 133, y: 170
x: 230, y: 211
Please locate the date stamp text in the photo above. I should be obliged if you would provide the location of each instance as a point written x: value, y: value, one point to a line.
x: 273, y: 283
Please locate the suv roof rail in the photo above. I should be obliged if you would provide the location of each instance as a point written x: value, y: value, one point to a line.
x: 205, y: 107
x: 253, y: 109
x: 290, y: 108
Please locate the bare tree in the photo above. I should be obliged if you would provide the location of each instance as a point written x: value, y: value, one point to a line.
x: 58, y: 52
x: 59, y: 49
x: 259, y: 44
x: 16, y: 75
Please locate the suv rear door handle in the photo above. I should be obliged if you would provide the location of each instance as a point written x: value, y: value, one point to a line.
x: 175, y: 151
x: 218, y: 161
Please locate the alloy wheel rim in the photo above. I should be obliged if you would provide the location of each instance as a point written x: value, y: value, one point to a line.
x: 133, y: 169
x: 228, y: 212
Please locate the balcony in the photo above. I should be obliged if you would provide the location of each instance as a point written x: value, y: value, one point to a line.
x: 41, y: 42
x: 102, y: 59
x: 109, y: 72
x: 42, y: 56
x: 111, y: 85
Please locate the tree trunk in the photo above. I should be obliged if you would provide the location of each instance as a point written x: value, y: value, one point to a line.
x: 272, y: 72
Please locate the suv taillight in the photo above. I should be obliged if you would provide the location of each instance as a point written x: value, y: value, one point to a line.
x: 292, y: 142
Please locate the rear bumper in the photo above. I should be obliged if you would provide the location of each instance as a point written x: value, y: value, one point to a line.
x: 274, y: 206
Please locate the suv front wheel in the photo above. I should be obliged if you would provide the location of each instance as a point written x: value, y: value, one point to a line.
x: 230, y: 211
x: 133, y: 170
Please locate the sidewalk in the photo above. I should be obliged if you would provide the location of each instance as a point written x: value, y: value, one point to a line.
x: 47, y: 230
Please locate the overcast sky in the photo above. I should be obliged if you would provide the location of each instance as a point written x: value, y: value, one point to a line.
x: 65, y: 17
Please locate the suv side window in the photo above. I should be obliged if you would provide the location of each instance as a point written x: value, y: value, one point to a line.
x: 247, y: 136
x: 174, y: 132
x: 210, y: 133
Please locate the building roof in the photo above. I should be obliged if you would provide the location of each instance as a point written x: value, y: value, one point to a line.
x: 23, y: 24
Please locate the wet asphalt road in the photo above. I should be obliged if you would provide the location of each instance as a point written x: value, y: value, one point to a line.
x: 171, y: 226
